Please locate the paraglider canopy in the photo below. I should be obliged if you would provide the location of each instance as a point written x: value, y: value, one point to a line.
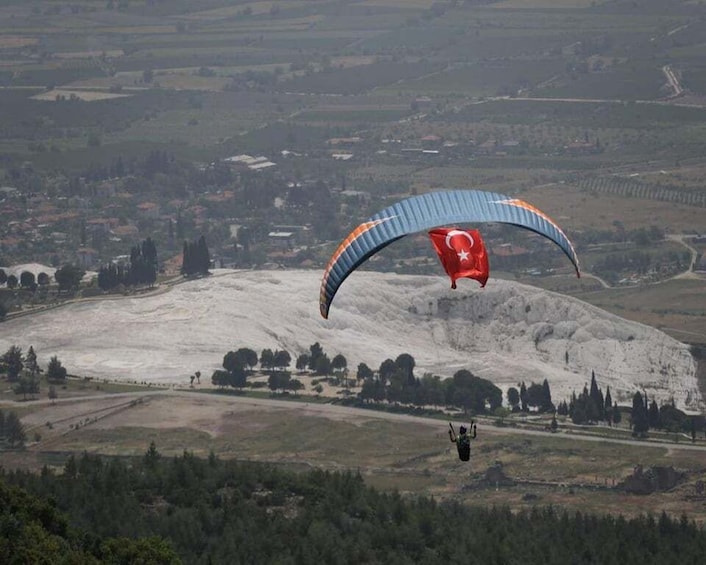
x: 427, y: 211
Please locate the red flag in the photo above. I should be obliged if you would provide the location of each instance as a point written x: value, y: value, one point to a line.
x: 462, y: 253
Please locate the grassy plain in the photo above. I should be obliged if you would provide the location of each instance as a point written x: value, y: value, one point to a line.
x: 392, y: 451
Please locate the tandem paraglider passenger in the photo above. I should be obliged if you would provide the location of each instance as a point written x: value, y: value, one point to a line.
x: 463, y: 440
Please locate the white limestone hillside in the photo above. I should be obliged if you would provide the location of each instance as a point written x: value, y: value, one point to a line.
x: 506, y: 332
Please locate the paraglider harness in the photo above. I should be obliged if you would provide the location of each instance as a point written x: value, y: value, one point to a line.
x: 463, y: 440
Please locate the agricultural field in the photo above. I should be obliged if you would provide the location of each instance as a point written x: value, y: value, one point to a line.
x: 594, y: 111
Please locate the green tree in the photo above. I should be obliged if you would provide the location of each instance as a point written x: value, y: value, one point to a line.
x: 27, y: 384
x: 278, y: 381
x: 152, y: 456
x: 238, y: 378
x: 302, y: 362
x: 617, y: 416
x: 546, y: 404
x: 315, y: 352
x: 282, y: 359
x: 246, y: 357
x: 339, y: 363
x: 43, y: 279
x: 14, y: 430
x: 672, y: 419
x: 323, y: 365
x: 386, y: 371
x: 608, y: 407
x: 56, y: 372
x: 523, y: 397
x: 405, y: 364
x: 31, y: 361
x: 220, y: 378
x: 204, y: 257
x: 13, y: 363
x: 653, y: 418
x: 363, y: 372
x: 69, y: 277
x: 597, y: 408
x: 12, y: 282
x: 27, y: 280
x: 267, y: 359
x: 473, y: 393
x: 513, y: 398
x: 639, y: 418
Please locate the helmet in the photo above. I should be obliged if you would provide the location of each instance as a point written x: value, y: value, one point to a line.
x: 462, y: 429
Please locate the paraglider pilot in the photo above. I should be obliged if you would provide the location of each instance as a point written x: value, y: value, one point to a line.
x: 463, y: 440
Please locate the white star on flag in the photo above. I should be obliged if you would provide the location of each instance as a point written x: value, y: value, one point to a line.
x: 463, y: 255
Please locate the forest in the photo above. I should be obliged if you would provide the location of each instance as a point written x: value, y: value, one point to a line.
x: 226, y: 511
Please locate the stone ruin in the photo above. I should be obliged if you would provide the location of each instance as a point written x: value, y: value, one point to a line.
x: 496, y: 477
x: 651, y: 480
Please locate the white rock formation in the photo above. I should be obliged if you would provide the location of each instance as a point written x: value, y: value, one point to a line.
x: 506, y: 332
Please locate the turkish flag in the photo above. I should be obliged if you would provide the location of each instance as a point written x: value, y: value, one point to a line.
x: 462, y: 253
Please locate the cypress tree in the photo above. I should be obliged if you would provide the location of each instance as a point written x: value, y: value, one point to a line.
x: 617, y: 416
x: 547, y: 404
x: 186, y: 259
x: 608, y: 407
x: 640, y: 422
x: 597, y: 399
x: 653, y: 415
x: 523, y: 397
x: 204, y: 258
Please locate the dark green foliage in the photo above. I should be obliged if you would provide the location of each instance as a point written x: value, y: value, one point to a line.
x: 12, y: 432
x: 653, y: 414
x: 11, y: 363
x: 33, y: 530
x: 597, y: 402
x: 141, y: 270
x: 671, y: 418
x: 524, y: 406
x: 639, y: 416
x: 364, y: 372
x: 243, y: 357
x: 539, y: 396
x: 69, y: 277
x: 513, y: 398
x: 472, y: 393
x: 28, y: 383
x: 617, y: 416
x: 230, y: 512
x: 591, y: 407
x: 27, y: 280
x: 56, y: 372
x: 196, y: 259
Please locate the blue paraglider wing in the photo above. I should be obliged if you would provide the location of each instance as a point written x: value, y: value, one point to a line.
x: 428, y: 211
